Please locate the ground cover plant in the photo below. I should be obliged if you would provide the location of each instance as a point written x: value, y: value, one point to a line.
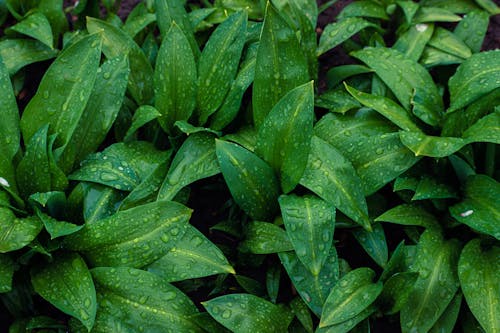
x: 190, y: 168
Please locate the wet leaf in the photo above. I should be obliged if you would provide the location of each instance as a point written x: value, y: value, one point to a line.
x: 397, y: 290
x: 218, y: 64
x: 65, y: 89
x: 332, y: 177
x: 57, y: 228
x: 143, y: 115
x: 478, y: 272
x: 365, y: 9
x: 435, y: 14
x: 472, y: 29
x: 284, y: 138
x: 194, y: 160
x: 313, y: 289
x: 175, y: 79
x: 348, y: 325
x: 473, y: 79
x: 192, y: 256
x: 432, y: 146
x: 413, y: 41
x: 135, y: 24
x: 131, y: 300
x: 100, y: 201
x: 265, y: 238
x: 338, y: 74
x: 9, y: 126
x: 337, y: 101
x: 36, y: 26
x: 280, y: 66
x: 17, y: 53
x: 66, y: 283
x: 448, y: 319
x: 374, y: 243
x: 336, y: 33
x: 485, y: 129
x: 350, y: 296
x: 6, y: 273
x: 479, y: 209
x: 490, y: 6
x: 446, y: 41
x: 134, y: 237
x: 435, y: 262
x: 309, y: 223
x: 251, y: 181
x: 407, y: 214
x: 248, y: 313
x: 299, y: 308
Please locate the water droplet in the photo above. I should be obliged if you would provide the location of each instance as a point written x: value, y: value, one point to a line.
x: 226, y: 314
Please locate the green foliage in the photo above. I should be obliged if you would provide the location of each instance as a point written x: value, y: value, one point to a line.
x: 184, y: 170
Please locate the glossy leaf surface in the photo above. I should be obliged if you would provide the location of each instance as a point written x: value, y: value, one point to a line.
x: 15, y: 233
x: 265, y: 238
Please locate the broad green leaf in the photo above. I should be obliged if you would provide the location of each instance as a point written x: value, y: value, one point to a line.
x: 336, y: 101
x: 195, y: 160
x: 17, y: 53
x: 143, y: 115
x: 192, y: 256
x: 208, y: 324
x: 174, y: 79
x: 446, y: 41
x: 53, y: 11
x: 309, y: 223
x: 265, y: 238
x: 490, y: 6
x: 485, y: 129
x: 478, y: 272
x: 396, y: 263
x: 432, y: 57
x: 472, y: 29
x: 100, y: 112
x: 479, y: 209
x: 432, y: 146
x: 409, y: 81
x: 284, y: 138
x: 340, y: 73
x: 350, y: 296
x: 100, y: 202
x: 386, y: 107
x: 131, y: 300
x: 66, y: 283
x: 336, y: 33
x: 218, y: 64
x: 431, y: 188
x: 134, y: 237
x: 374, y: 243
x: 189, y: 129
x: 9, y: 126
x: 135, y: 24
x: 406, y: 214
x: 250, y: 285
x: 299, y: 308
x: 246, y: 137
x: 251, y: 181
x: 413, y: 41
x: 436, y: 261
x: 457, y: 6
x: 474, y: 78
x: 6, y: 273
x: 273, y: 278
x: 448, y: 319
x: 280, y: 66
x: 348, y: 325
x: 313, y: 289
x: 435, y: 14
x: 60, y: 99
x: 116, y: 42
x: 36, y: 26
x: 365, y: 9
x: 397, y: 290
x: 370, y: 143
x: 57, y: 228
x: 332, y: 177
x: 248, y: 313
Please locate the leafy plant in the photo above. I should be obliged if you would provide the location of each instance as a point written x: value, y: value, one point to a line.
x: 192, y: 170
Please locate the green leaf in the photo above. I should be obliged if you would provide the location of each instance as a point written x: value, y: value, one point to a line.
x: 313, y: 289
x: 435, y: 14
x: 336, y: 101
x: 67, y: 284
x: 432, y: 57
x: 478, y: 272
x: 432, y: 146
x: 386, y: 107
x: 57, y: 228
x: 284, y: 138
x: 192, y: 256
x: 189, y: 129
x: 338, y: 74
x: 36, y: 26
x: 6, y: 273
x: 309, y: 223
x: 436, y: 261
x: 448, y: 319
x: 356, y: 137
x: 299, y: 308
x: 350, y: 296
x: 17, y: 53
x: 374, y: 243
x: 265, y: 238
x: 474, y: 78
x: 131, y: 300
x: 479, y: 209
x: 134, y: 237
x: 447, y: 41
x: 413, y: 41
x: 9, y: 126
x: 100, y: 112
x: 336, y: 33
x: 53, y: 10
x: 365, y: 9
x: 332, y: 177
x: 485, y: 129
x: 472, y: 29
x: 174, y: 79
x: 137, y: 23
x: 348, y: 325
x: 280, y: 66
x: 409, y: 215
x: 408, y: 80
x: 490, y: 6
x: 143, y: 115
x: 397, y: 290
x: 248, y: 313
x: 60, y: 99
x: 396, y: 263
x: 431, y: 188
x: 195, y: 160
x: 100, y: 202
x: 116, y: 42
x: 251, y: 181
x: 218, y: 64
